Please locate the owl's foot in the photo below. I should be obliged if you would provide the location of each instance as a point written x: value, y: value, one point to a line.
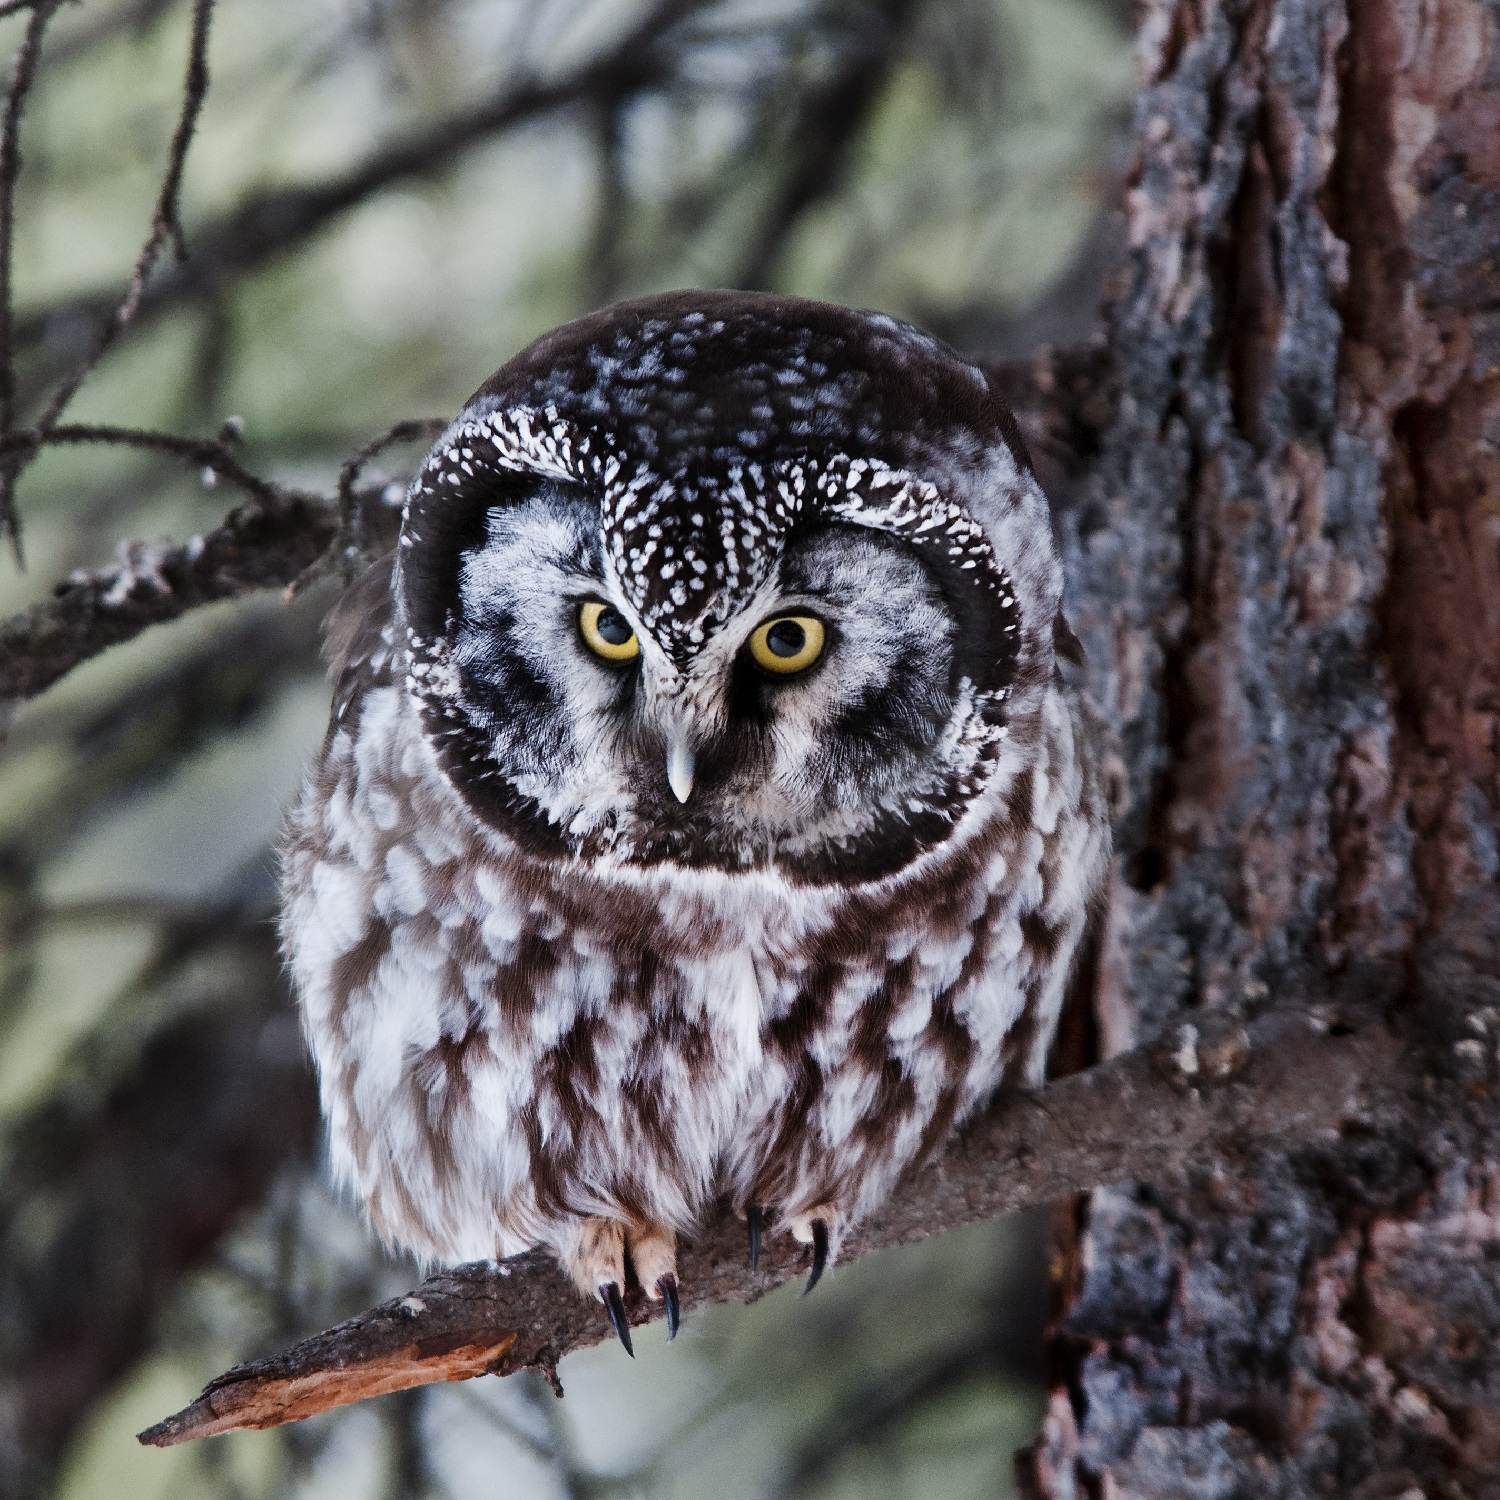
x: 817, y: 1227
x: 597, y: 1266
x: 653, y: 1253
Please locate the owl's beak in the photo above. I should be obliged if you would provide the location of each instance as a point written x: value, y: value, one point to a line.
x: 680, y: 764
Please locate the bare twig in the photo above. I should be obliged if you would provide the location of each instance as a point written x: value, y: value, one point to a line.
x: 419, y: 429
x: 348, y: 552
x: 212, y: 453
x: 165, y: 227
x: 283, y: 538
x: 10, y: 169
x: 1149, y: 1114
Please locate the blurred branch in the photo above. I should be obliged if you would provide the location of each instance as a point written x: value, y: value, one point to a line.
x: 141, y: 732
x: 873, y: 1413
x: 274, y: 221
x: 823, y: 136
x: 181, y: 921
x: 167, y: 1155
x: 604, y: 255
x: 410, y: 1470
x: 1217, y: 1091
x: 549, y: 1441
x: 134, y: 18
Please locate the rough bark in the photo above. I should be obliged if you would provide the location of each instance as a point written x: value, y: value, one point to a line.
x: 1284, y: 548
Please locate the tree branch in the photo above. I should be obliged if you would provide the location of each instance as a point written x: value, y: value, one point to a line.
x: 283, y: 539
x: 1214, y: 1092
x: 268, y: 543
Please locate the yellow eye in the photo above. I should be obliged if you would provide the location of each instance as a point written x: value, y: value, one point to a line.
x: 606, y: 632
x: 787, y: 644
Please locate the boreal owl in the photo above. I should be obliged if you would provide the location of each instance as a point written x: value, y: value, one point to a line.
x: 703, y: 811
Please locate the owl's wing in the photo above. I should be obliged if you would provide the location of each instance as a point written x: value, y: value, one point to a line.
x: 357, y: 641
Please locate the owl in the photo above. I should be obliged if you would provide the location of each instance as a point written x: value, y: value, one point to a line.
x: 702, y: 812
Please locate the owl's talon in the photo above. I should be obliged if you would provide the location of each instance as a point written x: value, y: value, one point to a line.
x: 614, y: 1305
x: 819, y: 1227
x: 755, y: 1221
x: 653, y: 1253
x: 820, y: 1254
x: 667, y: 1289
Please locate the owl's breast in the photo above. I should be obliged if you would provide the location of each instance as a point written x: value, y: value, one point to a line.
x: 501, y: 1041
x: 506, y: 1042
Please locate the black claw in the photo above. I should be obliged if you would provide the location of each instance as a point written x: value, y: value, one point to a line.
x: 667, y: 1286
x: 820, y: 1254
x: 614, y: 1305
x: 755, y: 1221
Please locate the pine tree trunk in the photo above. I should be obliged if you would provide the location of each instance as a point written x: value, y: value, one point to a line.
x: 1281, y: 501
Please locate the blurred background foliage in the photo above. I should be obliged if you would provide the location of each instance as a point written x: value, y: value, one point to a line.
x: 385, y: 199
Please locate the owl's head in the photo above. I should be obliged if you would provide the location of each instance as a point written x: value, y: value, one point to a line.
x: 729, y: 580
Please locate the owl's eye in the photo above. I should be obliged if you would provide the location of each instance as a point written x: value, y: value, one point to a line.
x: 787, y: 644
x: 606, y: 632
